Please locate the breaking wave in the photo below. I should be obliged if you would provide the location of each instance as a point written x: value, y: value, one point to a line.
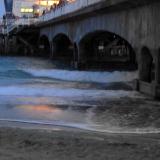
x: 85, y: 76
x: 52, y: 125
x: 102, y: 109
x: 63, y: 92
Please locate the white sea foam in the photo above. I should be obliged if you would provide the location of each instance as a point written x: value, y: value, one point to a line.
x: 53, y: 124
x: 64, y: 92
x: 85, y: 76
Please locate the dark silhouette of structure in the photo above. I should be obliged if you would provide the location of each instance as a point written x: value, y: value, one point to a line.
x: 8, y: 5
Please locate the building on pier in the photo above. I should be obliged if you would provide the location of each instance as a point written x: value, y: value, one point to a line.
x: 21, y: 8
x: 28, y: 8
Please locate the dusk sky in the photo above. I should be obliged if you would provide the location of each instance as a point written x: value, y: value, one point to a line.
x: 1, y: 8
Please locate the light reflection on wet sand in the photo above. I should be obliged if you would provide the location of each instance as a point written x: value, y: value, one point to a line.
x: 113, y: 117
x: 38, y: 109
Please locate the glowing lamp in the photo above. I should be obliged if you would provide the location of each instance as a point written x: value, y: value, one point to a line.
x: 48, y: 2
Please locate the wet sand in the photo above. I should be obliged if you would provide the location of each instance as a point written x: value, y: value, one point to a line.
x: 73, y: 144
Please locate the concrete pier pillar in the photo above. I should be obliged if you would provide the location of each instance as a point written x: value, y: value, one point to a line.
x: 80, y: 59
x: 146, y: 65
x: 150, y: 79
x: 76, y: 56
x: 51, y: 50
x: 157, y: 66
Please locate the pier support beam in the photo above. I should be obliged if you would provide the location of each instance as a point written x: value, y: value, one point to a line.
x: 149, y: 69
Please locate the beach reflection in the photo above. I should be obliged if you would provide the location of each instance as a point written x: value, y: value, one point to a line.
x: 38, y: 109
x: 39, y: 112
x: 49, y: 113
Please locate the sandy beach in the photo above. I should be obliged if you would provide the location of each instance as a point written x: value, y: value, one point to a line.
x: 72, y: 144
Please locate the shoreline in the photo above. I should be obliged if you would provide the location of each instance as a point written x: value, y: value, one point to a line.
x: 52, y: 127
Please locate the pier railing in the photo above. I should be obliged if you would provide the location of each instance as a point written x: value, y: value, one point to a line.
x: 67, y: 8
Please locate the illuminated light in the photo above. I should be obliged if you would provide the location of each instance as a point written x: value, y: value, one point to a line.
x: 22, y: 10
x: 40, y: 108
x: 48, y: 2
x: 101, y: 47
x: 30, y: 10
x: 70, y: 1
x: 26, y: 10
x: 43, y: 3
